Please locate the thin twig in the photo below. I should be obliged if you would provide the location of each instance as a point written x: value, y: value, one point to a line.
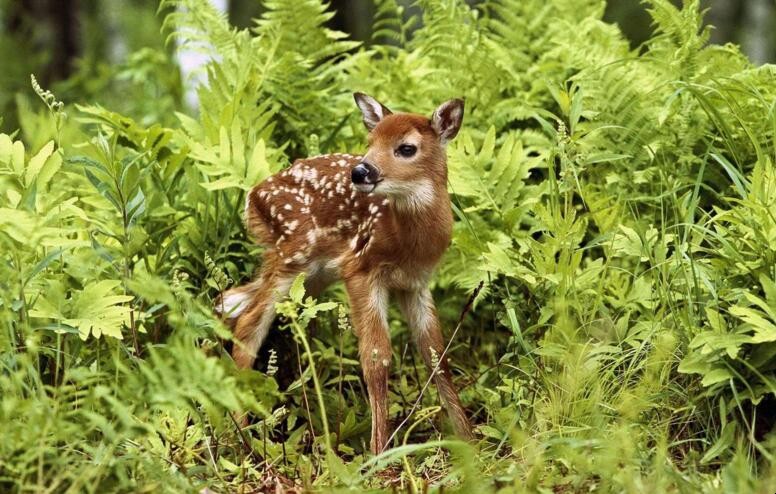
x: 257, y: 457
x: 339, y: 393
x: 404, y: 403
x: 433, y: 372
x: 304, y: 393
x: 210, y: 452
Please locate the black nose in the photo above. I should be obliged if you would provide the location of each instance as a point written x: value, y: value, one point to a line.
x: 364, y: 173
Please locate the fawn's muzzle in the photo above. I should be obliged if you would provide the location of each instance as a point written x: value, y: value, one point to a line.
x: 365, y: 174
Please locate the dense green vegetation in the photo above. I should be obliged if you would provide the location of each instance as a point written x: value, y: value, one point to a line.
x: 619, y: 205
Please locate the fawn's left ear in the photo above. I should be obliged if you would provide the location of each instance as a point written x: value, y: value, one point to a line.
x: 372, y: 110
x: 447, y: 119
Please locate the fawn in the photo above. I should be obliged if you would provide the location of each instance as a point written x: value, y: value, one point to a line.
x: 380, y: 222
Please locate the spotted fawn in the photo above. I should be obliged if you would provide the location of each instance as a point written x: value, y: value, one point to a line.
x: 380, y: 223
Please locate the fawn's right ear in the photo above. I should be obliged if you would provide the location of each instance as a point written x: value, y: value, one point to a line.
x: 447, y: 119
x: 372, y: 110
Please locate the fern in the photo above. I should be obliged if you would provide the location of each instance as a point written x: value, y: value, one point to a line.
x: 392, y: 25
x: 198, y: 25
x: 97, y: 310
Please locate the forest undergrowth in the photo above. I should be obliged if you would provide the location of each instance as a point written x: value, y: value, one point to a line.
x: 617, y: 204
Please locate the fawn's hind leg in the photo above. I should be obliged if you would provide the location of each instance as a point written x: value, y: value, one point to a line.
x: 254, y: 314
x: 419, y: 310
x: 250, y: 310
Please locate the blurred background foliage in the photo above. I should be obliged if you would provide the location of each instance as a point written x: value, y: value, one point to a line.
x: 91, y: 50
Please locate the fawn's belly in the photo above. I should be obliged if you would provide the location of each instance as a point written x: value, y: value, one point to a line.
x: 404, y: 278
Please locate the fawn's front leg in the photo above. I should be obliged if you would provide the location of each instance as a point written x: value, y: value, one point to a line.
x: 369, y: 310
x: 419, y: 310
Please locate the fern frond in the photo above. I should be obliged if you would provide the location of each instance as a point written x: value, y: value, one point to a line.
x: 390, y: 27
x: 199, y: 26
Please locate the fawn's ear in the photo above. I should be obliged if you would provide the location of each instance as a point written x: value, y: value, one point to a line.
x: 447, y: 119
x: 372, y: 110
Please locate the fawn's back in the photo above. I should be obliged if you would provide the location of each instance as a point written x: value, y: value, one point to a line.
x: 311, y: 211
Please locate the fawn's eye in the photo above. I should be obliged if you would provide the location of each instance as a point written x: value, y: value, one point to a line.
x: 406, y: 150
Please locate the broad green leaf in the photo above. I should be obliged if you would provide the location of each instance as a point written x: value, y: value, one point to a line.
x: 716, y: 320
x: 18, y: 224
x: 764, y: 330
x: 36, y: 163
x: 224, y: 151
x: 694, y: 363
x: 17, y: 158
x: 715, y: 376
x: 48, y: 171
x: 222, y: 183
x: 722, y: 444
x: 96, y: 310
x: 6, y: 149
x: 296, y: 292
x: 258, y: 167
x: 769, y: 311
x: 488, y: 146
x: 237, y: 146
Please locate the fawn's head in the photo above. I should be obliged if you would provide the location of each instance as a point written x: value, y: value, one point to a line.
x: 406, y: 155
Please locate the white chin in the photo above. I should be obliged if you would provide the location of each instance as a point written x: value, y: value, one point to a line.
x: 365, y: 187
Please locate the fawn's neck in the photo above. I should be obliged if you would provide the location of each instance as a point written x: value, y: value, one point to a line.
x: 424, y: 222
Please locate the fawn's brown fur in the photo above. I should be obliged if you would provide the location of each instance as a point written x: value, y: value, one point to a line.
x: 379, y: 222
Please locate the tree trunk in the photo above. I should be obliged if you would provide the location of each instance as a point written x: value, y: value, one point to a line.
x: 757, y: 38
x: 65, y: 42
x: 725, y: 16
